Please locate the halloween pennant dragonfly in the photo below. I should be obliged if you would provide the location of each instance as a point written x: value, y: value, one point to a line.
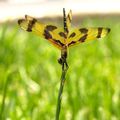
x: 65, y: 37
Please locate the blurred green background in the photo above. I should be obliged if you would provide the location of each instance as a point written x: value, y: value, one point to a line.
x: 30, y: 75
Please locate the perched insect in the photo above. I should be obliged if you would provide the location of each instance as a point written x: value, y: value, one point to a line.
x: 65, y: 37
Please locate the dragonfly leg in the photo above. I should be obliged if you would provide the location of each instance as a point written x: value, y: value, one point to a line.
x: 63, y: 59
x: 66, y: 65
x: 63, y: 62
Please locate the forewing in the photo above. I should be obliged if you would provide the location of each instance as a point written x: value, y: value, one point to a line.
x: 86, y: 34
x: 51, y: 33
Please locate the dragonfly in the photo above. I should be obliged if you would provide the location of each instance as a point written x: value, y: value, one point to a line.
x: 62, y: 37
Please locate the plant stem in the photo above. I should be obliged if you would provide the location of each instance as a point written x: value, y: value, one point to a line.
x: 64, y: 70
x: 62, y: 61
